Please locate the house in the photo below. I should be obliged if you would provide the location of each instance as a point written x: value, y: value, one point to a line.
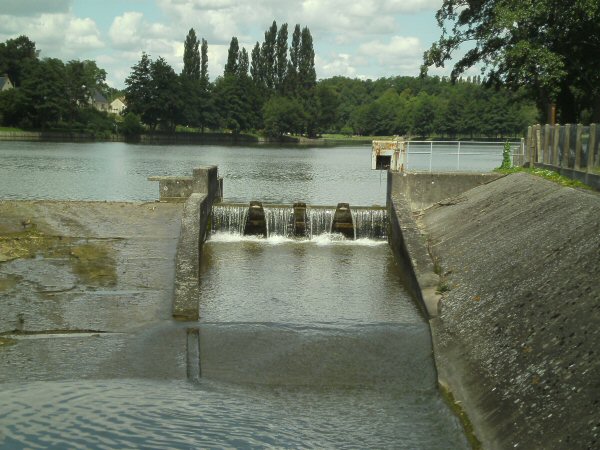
x: 5, y: 83
x: 99, y: 101
x: 117, y: 106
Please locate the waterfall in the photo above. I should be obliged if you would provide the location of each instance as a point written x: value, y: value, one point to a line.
x: 369, y: 223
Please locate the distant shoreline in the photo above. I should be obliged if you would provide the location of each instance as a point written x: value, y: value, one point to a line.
x: 176, y: 138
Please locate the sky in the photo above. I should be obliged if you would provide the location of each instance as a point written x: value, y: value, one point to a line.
x: 357, y: 39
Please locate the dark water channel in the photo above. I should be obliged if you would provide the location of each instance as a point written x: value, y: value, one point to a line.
x: 311, y: 343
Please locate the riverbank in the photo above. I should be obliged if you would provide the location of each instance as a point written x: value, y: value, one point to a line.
x: 517, y: 336
x: 184, y: 138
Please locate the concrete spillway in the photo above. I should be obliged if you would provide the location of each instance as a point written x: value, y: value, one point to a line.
x: 299, y: 220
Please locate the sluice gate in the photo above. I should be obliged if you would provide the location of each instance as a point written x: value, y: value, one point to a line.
x: 300, y: 220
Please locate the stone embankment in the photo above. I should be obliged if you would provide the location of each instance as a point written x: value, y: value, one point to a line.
x: 517, y: 337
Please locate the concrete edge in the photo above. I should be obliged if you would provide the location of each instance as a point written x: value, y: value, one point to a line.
x: 409, y: 246
x: 194, y: 219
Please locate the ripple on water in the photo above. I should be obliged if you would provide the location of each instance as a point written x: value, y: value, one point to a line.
x: 176, y: 414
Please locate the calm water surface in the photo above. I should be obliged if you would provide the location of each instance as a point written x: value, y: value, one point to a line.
x: 119, y: 171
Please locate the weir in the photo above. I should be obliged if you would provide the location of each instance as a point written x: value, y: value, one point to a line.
x: 299, y: 220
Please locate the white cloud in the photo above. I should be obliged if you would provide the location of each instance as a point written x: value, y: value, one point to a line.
x: 338, y: 64
x: 57, y: 35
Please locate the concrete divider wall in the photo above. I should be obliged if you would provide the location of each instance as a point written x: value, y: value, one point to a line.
x: 194, y: 226
x: 422, y: 190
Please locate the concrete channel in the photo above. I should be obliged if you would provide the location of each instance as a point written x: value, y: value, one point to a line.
x: 510, y: 374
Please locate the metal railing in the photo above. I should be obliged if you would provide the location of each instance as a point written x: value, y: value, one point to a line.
x: 452, y: 156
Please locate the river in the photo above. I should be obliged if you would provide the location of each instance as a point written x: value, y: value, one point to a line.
x: 311, y: 343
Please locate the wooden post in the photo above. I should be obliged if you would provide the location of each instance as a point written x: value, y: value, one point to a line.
x: 546, y: 150
x: 528, y: 146
x: 578, y: 147
x: 538, y: 144
x: 591, y: 148
x: 554, y: 160
x: 566, y: 147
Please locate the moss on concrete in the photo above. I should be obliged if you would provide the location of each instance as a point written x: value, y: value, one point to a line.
x: 6, y: 342
x: 94, y: 264
x: 462, y: 416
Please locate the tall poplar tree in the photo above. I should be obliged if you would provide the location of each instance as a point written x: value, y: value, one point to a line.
x: 268, y: 56
x: 255, y: 65
x: 243, y: 63
x: 291, y: 83
x: 306, y: 61
x: 281, y: 57
x: 231, y: 67
x: 204, y: 63
x: 191, y: 56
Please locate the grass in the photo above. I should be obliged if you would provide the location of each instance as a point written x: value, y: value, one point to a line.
x: 10, y: 129
x: 548, y: 175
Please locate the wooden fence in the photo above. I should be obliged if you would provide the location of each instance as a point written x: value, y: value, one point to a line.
x: 566, y: 146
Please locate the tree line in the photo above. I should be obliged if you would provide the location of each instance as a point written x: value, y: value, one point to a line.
x: 49, y: 92
x: 272, y: 90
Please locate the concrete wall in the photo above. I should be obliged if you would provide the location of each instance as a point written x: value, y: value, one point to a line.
x: 204, y: 179
x: 422, y: 190
x: 517, y: 332
x: 194, y: 225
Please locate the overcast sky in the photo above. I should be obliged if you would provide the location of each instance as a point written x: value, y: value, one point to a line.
x: 362, y: 39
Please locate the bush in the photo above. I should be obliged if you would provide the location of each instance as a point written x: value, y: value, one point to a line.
x: 506, y: 157
x: 131, y: 127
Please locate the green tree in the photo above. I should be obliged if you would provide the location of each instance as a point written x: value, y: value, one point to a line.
x: 43, y: 93
x: 255, y: 65
x: 329, y: 102
x: 283, y: 115
x: 268, y: 57
x: 166, y: 96
x: 204, y: 63
x: 138, y: 90
x: 243, y: 63
x: 131, y: 126
x: 231, y: 66
x: 281, y: 61
x: 15, y: 54
x: 291, y: 82
x: 548, y: 46
x: 306, y: 61
x: 191, y: 56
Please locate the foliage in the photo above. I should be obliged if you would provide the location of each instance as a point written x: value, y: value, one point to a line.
x: 283, y: 115
x: 131, y: 126
x: 506, y: 157
x: 15, y: 55
x: 191, y: 56
x: 551, y: 47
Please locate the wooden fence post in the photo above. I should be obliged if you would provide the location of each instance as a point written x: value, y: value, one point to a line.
x: 554, y: 160
x: 591, y: 148
x: 539, y: 145
x: 578, y: 147
x: 566, y: 147
x: 546, y: 146
x: 527, y: 150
